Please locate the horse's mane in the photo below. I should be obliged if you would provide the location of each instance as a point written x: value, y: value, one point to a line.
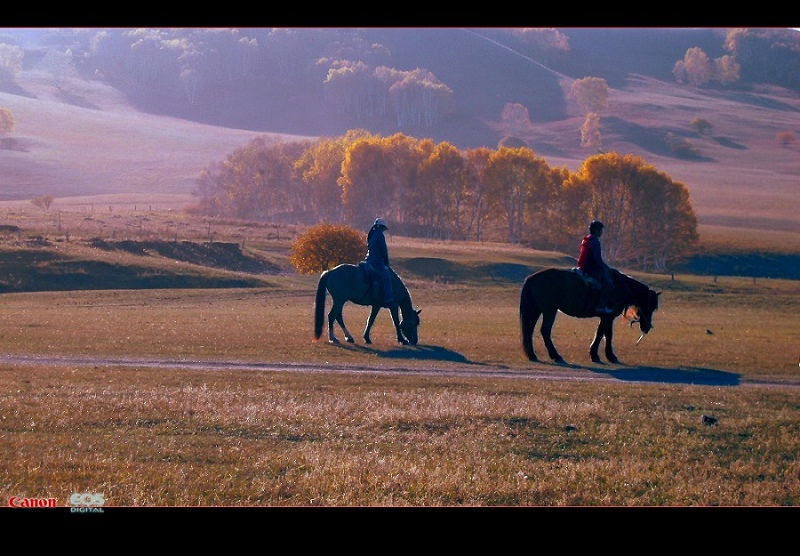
x: 637, y: 291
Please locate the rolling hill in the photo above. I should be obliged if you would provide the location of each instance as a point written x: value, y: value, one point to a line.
x: 86, y: 138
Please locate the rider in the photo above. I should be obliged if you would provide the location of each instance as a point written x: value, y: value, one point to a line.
x: 378, y: 258
x: 591, y: 262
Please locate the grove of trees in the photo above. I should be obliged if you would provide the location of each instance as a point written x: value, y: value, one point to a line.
x: 434, y: 190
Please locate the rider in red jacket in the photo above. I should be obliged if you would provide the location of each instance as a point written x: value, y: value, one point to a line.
x: 591, y: 262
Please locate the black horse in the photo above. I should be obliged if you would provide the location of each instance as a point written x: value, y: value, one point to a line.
x: 349, y: 282
x: 548, y: 291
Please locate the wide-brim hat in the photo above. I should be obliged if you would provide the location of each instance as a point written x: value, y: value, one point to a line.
x: 380, y: 222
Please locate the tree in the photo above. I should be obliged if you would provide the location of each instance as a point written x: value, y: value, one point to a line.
x: 7, y: 123
x: 727, y: 70
x: 256, y: 182
x: 701, y: 125
x: 440, y: 192
x: 649, y: 217
x: 515, y: 178
x: 320, y: 167
x: 476, y: 204
x: 10, y: 62
x: 697, y: 66
x: 377, y: 175
x: 325, y: 246
x: 679, y: 71
x: 43, y: 201
x: 590, y: 94
x: 681, y: 146
x: 785, y: 138
x: 590, y: 132
x: 516, y: 121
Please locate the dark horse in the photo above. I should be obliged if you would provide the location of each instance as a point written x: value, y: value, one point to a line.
x: 548, y: 291
x: 349, y: 282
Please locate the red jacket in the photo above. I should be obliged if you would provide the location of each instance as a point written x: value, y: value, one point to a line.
x: 590, y: 259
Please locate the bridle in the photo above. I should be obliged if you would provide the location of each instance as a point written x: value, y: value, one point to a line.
x: 631, y: 314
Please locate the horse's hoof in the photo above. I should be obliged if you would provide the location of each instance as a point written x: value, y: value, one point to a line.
x: 333, y: 341
x: 351, y: 341
x: 613, y: 360
x: 597, y: 360
x: 367, y: 341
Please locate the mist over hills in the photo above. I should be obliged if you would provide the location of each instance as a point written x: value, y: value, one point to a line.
x: 281, y: 89
x: 101, y: 132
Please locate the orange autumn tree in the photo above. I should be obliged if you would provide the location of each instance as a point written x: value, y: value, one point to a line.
x: 325, y: 246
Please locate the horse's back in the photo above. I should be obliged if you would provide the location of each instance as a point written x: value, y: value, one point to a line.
x: 345, y: 281
x: 557, y: 289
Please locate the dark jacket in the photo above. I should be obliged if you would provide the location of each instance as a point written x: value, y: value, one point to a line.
x: 377, y: 251
x: 590, y: 259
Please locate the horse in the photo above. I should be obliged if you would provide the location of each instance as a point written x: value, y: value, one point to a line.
x: 550, y: 290
x: 351, y: 282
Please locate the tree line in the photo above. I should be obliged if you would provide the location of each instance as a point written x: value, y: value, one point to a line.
x: 434, y: 190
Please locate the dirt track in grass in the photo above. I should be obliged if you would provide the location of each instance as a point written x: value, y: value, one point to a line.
x: 538, y: 371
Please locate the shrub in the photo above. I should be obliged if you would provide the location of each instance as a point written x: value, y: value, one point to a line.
x: 325, y: 246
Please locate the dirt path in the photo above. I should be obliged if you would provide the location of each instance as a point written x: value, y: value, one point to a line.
x: 609, y: 373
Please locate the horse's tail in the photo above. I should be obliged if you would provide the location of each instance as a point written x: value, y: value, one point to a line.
x: 528, y: 315
x: 319, y: 304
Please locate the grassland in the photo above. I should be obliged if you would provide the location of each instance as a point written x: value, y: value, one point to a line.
x: 218, y: 396
x: 159, y: 372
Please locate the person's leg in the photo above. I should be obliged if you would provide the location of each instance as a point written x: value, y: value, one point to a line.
x: 388, y: 294
x: 605, y: 293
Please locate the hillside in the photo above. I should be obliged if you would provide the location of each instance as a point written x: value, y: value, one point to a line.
x: 86, y: 139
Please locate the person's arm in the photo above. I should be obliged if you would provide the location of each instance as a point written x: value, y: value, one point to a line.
x: 597, y: 254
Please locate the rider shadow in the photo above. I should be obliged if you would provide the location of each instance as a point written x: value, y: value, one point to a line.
x: 692, y: 375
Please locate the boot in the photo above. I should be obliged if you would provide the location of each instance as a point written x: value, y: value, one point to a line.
x: 602, y: 305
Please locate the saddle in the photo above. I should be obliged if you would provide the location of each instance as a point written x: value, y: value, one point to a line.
x: 592, y: 295
x: 371, y: 277
x: 588, y: 280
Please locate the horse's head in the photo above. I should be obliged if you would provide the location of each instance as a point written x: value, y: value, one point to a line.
x: 647, y: 306
x: 409, y: 325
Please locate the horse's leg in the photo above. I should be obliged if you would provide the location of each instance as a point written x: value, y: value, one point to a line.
x: 595, y: 346
x: 528, y: 326
x: 396, y: 320
x: 335, y: 315
x: 370, y: 320
x: 612, y: 358
x: 548, y: 319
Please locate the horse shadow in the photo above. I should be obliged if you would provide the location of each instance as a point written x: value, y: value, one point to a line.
x: 695, y: 376
x: 416, y: 353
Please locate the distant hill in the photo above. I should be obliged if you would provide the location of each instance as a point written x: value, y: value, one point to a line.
x: 92, y: 135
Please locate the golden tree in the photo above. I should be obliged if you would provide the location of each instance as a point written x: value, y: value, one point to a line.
x: 590, y: 132
x: 7, y: 124
x: 698, y: 66
x: 648, y: 216
x: 325, y: 246
x: 590, y: 94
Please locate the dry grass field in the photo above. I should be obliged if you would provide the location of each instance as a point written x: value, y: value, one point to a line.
x: 211, y: 392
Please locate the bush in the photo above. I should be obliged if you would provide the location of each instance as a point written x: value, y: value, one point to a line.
x: 325, y: 246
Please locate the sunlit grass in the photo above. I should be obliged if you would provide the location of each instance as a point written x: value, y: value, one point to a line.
x: 187, y: 438
x: 444, y: 429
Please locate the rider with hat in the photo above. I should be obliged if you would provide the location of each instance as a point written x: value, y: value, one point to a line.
x: 591, y: 262
x: 378, y: 258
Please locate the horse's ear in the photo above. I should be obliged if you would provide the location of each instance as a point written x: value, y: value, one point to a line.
x: 658, y: 293
x: 418, y: 311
